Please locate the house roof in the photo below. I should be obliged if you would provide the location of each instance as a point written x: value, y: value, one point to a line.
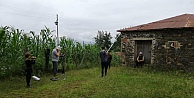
x: 181, y: 21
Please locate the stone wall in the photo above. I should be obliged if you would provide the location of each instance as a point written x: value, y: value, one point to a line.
x: 170, y: 48
x: 128, y: 45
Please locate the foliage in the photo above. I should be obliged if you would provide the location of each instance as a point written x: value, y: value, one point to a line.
x: 117, y: 44
x: 14, y: 43
x: 103, y: 39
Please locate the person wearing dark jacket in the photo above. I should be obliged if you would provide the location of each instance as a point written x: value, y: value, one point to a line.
x: 140, y: 60
x: 109, y: 59
x: 103, y: 57
x: 29, y: 62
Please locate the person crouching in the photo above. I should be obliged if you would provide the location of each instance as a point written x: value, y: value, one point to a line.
x: 140, y: 60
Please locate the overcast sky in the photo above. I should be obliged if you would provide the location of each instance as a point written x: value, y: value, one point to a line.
x: 81, y: 19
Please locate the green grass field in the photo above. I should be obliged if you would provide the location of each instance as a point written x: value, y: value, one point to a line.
x: 121, y: 82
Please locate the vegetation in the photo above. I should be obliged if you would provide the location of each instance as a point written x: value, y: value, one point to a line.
x: 14, y: 43
x: 117, y: 44
x: 103, y: 39
x: 121, y: 82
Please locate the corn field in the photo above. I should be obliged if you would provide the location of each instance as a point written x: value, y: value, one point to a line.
x: 14, y: 43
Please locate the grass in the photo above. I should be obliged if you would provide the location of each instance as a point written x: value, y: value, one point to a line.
x: 121, y: 82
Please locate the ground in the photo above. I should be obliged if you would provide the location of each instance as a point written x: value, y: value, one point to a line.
x: 121, y: 82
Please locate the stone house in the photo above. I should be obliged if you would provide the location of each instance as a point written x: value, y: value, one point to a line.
x: 165, y: 42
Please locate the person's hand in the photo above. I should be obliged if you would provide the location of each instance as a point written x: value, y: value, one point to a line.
x: 33, y: 57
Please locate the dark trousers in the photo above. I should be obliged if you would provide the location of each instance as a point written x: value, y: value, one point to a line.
x: 28, y: 77
x: 104, y: 67
x: 139, y: 64
x: 108, y: 64
x: 55, y: 68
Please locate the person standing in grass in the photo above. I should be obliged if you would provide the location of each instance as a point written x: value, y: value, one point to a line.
x: 55, y: 59
x: 29, y: 61
x: 103, y: 57
x: 109, y: 59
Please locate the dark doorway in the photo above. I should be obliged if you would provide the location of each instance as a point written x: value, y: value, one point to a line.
x: 143, y: 46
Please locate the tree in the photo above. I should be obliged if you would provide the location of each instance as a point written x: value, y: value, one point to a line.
x: 117, y: 44
x: 103, y: 39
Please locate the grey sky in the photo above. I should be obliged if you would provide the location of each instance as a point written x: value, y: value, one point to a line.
x: 81, y: 19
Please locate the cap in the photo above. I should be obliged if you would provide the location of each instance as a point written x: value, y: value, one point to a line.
x: 140, y: 52
x: 58, y: 47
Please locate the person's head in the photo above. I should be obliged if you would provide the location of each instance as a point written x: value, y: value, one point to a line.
x: 109, y: 52
x: 102, y: 48
x: 140, y: 53
x: 58, y: 48
x: 27, y: 55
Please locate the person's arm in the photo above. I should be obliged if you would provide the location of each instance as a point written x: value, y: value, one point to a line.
x: 143, y: 58
x: 100, y: 54
x: 110, y: 57
x: 57, y: 54
x: 137, y: 58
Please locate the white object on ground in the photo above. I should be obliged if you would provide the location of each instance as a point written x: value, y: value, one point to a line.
x: 36, y: 78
